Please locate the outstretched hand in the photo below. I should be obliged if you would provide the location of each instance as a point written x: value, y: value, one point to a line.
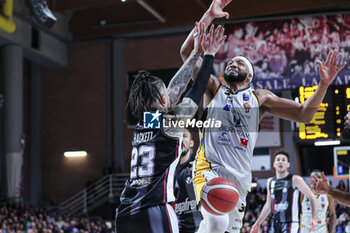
x: 320, y: 185
x: 199, y: 32
x: 330, y: 69
x: 216, y: 8
x: 212, y: 42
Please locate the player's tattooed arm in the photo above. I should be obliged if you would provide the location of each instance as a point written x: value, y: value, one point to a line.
x: 179, y: 82
x: 182, y: 112
x: 186, y: 109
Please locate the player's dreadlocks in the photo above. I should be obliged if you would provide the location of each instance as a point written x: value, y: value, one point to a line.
x: 144, y: 91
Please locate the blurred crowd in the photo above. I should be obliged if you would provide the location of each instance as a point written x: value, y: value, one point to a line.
x: 19, y: 217
x: 286, y: 48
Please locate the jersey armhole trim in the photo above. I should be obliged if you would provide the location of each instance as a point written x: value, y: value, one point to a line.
x: 217, y: 91
x: 257, y: 100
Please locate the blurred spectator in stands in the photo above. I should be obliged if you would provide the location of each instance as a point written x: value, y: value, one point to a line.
x: 341, y: 186
x: 71, y: 227
x: 344, y: 217
x: 339, y: 228
x: 347, y: 228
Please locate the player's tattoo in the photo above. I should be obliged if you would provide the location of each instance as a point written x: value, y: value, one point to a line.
x: 186, y: 109
x: 181, y: 79
x: 182, y: 112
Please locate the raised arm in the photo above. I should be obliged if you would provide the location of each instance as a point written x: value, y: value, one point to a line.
x: 265, y: 210
x: 211, y: 45
x: 301, y: 185
x: 331, y: 214
x: 322, y: 186
x: 214, y: 11
x: 291, y: 110
x: 179, y: 82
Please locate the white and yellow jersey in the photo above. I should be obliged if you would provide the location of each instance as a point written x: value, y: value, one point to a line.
x: 322, y: 208
x: 229, y: 148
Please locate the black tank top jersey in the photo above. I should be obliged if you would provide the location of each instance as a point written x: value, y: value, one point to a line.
x: 186, y: 205
x: 285, y: 203
x: 154, y: 158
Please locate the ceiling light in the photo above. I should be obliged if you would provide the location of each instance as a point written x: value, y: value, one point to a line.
x: 327, y: 143
x: 75, y: 154
x: 123, y: 0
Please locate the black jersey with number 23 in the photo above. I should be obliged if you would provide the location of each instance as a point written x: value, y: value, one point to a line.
x: 154, y: 158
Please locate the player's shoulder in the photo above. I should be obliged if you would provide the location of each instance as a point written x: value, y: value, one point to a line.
x: 296, y: 179
x: 268, y: 181
x: 263, y: 93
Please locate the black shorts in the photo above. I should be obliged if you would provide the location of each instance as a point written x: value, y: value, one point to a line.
x: 284, y: 227
x: 157, y: 219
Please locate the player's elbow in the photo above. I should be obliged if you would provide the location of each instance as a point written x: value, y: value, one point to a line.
x: 304, y: 118
x: 308, y: 119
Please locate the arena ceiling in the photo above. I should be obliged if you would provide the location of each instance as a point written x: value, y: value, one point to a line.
x: 103, y: 18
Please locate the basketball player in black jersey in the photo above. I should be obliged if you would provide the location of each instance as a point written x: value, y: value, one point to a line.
x: 282, y: 199
x: 186, y: 207
x: 156, y: 150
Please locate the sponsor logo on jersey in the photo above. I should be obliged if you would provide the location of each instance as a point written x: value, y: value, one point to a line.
x: 244, y: 142
x: 185, y: 207
x: 223, y: 138
x: 229, y: 103
x: 247, y: 108
x: 189, y: 180
x: 142, y: 181
x: 279, y: 207
x: 245, y: 97
x: 239, y: 148
x: 151, y: 120
x: 240, y: 133
x: 227, y: 107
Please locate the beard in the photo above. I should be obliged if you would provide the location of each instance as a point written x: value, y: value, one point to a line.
x: 234, y: 77
x: 184, y: 152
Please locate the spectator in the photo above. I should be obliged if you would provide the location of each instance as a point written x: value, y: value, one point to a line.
x: 341, y: 186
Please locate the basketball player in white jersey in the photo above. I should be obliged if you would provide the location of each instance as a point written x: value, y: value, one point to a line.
x: 322, y: 186
x: 325, y: 206
x: 228, y: 151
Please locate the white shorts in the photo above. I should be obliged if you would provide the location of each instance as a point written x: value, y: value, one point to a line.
x: 318, y: 229
x: 237, y: 214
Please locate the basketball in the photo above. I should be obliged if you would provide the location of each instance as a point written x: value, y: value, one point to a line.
x: 219, y: 196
